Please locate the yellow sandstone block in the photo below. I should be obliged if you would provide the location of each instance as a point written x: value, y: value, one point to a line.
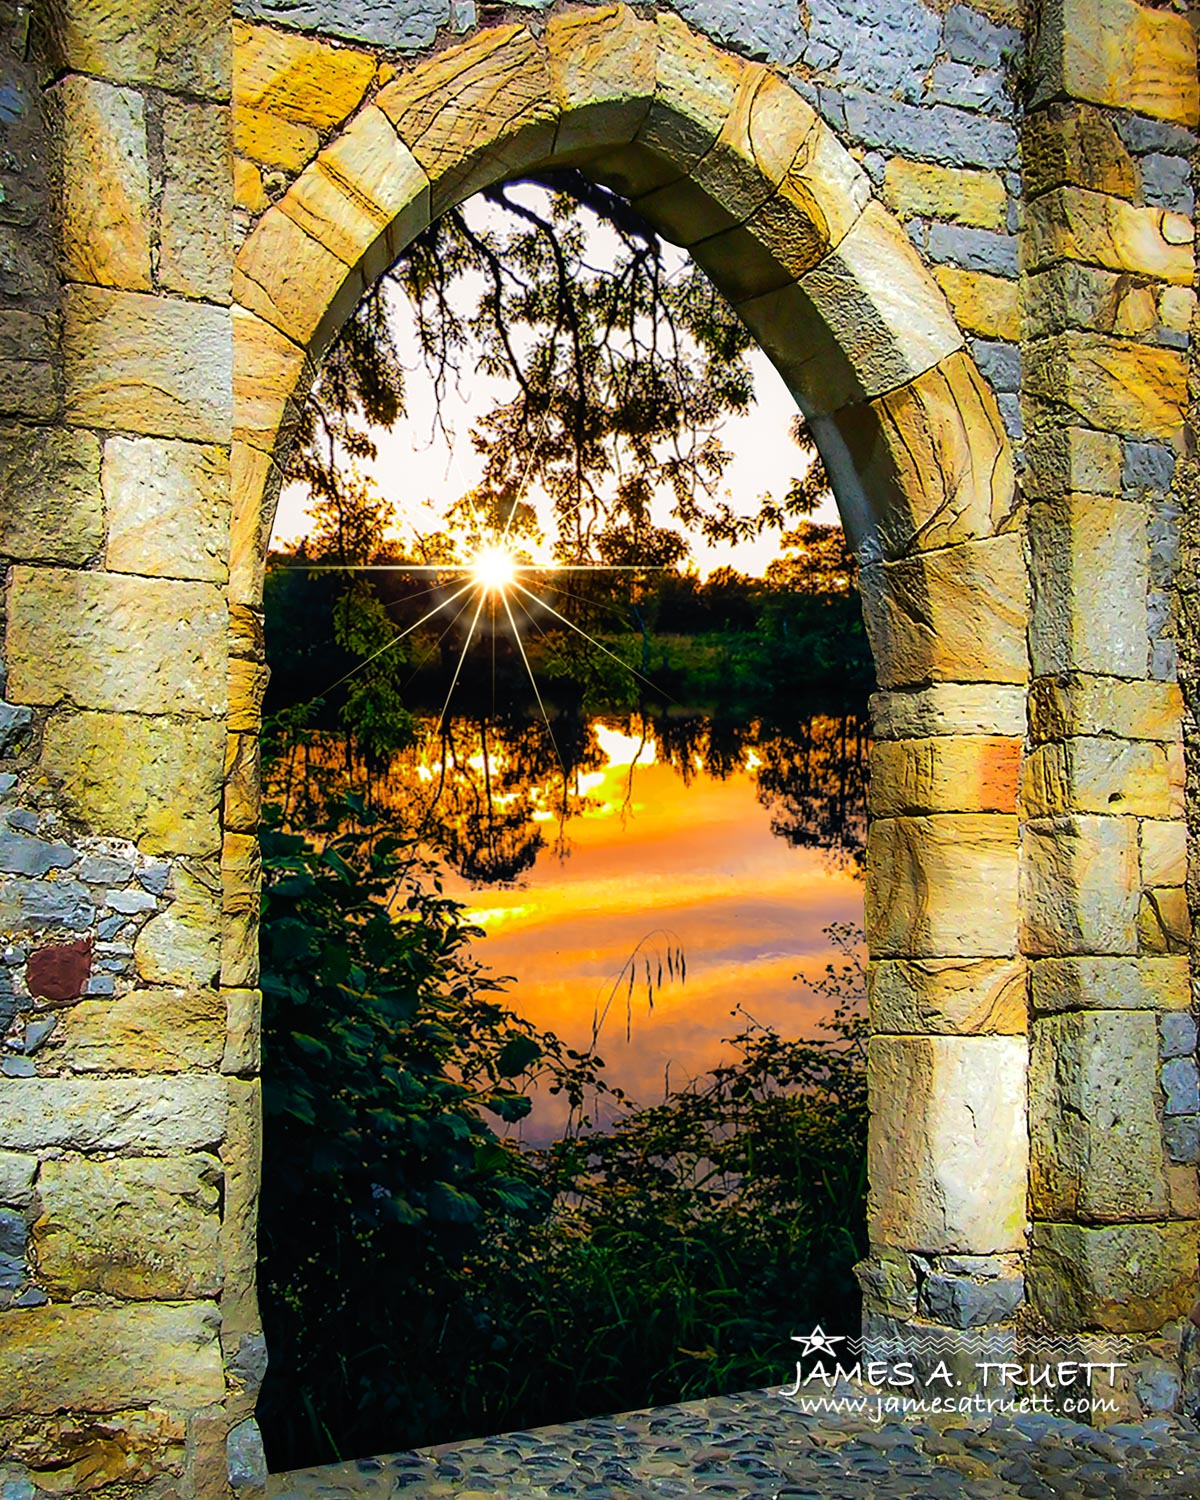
x: 156, y: 365
x: 1127, y: 55
x: 954, y: 996
x: 105, y: 185
x: 696, y: 84
x: 296, y: 76
x: 105, y: 1358
x: 602, y: 73
x: 989, y: 306
x: 1074, y: 224
x: 956, y: 614
x: 944, y: 773
x: 1086, y: 705
x: 270, y: 373
x: 287, y: 277
x: 153, y: 779
x: 1164, y: 852
x: 943, y: 886
x: 960, y: 195
x: 272, y: 141
x: 1072, y: 143
x: 933, y: 459
x: 365, y: 196
x: 1112, y: 384
x: 475, y: 114
x: 248, y: 190
x: 1104, y: 775
x: 116, y: 642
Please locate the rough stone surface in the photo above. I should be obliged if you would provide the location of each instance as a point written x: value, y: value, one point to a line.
x: 106, y: 185
x: 182, y: 946
x: 1059, y: 984
x: 109, y: 641
x: 144, y: 1031
x: 1123, y: 1277
x: 195, y: 208
x: 107, y: 1358
x: 1097, y: 1146
x: 963, y: 901
x: 153, y: 779
x: 951, y: 995
x: 126, y: 1115
x: 167, y: 506
x: 148, y: 364
x: 140, y: 1230
x: 948, y: 1115
x: 50, y: 509
x: 1081, y: 886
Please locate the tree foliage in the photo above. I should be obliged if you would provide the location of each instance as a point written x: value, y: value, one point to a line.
x: 622, y: 367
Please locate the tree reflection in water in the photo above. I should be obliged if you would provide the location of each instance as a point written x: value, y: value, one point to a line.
x: 489, y: 792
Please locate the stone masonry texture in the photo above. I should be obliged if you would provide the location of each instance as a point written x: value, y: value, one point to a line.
x: 963, y: 232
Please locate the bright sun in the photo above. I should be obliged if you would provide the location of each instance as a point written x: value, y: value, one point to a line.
x: 494, y: 569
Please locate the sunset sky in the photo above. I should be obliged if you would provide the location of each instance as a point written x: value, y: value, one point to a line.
x: 421, y: 472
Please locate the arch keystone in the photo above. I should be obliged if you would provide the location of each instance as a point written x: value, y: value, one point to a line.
x: 602, y: 75
x: 474, y: 113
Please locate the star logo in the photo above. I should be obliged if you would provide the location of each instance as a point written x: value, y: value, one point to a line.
x: 818, y: 1341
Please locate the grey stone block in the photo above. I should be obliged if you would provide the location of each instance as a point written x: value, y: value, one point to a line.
x: 23, y: 820
x: 246, y: 1460
x: 962, y: 1303
x: 970, y: 37
x: 932, y: 132
x: 12, y: 1272
x: 7, y: 782
x: 881, y: 48
x: 15, y: 719
x: 955, y: 83
x: 380, y: 23
x: 1178, y: 1032
x: 999, y: 363
x: 1181, y: 1086
x: 769, y: 29
x: 1147, y: 466
x: 20, y: 855
x: 1142, y: 135
x: 13, y: 1232
x: 130, y: 901
x: 1171, y: 338
x: 974, y: 249
x: 34, y: 904
x: 104, y: 869
x: 154, y: 877
x: 18, y: 1067
x: 1156, y: 1385
x: 1163, y: 536
x: 1181, y: 1133
x: 1010, y: 415
x: 1167, y: 182
x: 1164, y: 661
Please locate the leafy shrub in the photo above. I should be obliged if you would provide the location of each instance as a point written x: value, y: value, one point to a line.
x: 424, y: 1279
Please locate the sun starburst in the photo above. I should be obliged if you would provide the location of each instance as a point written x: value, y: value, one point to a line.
x: 494, y: 569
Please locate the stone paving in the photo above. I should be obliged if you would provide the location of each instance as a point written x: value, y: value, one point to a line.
x: 762, y: 1446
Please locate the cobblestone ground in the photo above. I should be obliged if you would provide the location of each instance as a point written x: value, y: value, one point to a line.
x: 762, y: 1445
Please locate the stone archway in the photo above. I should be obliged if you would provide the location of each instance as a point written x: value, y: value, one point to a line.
x: 725, y: 158
x: 1055, y: 907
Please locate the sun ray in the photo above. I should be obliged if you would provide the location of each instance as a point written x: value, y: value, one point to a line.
x: 571, y: 625
x: 533, y: 682
x: 441, y: 719
x: 396, y: 639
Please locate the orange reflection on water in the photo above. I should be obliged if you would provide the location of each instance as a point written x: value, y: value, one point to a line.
x: 699, y: 867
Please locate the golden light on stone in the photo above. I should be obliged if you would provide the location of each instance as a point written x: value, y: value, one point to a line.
x: 494, y: 569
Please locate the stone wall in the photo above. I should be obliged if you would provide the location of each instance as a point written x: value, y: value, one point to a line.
x: 964, y: 241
